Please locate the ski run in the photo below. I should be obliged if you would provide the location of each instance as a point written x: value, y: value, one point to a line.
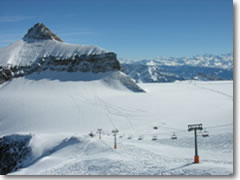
x: 59, y: 115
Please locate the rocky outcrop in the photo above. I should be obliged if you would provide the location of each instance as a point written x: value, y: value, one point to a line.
x: 94, y: 63
x: 14, y: 150
x: 40, y: 32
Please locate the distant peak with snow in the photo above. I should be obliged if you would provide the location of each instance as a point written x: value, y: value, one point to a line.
x: 222, y: 61
x: 40, y: 32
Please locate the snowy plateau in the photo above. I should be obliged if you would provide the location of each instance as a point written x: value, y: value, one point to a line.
x: 52, y: 108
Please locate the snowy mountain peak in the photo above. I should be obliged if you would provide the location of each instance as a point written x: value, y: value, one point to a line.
x: 40, y: 32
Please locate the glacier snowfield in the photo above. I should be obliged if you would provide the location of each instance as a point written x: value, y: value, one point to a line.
x: 60, y: 114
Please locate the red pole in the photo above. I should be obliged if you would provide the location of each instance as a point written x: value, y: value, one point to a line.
x: 196, y: 157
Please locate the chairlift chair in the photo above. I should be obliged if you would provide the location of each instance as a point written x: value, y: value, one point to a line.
x: 174, y: 136
x: 140, y: 138
x: 154, y: 138
x: 205, y: 133
x: 129, y: 137
x: 155, y: 127
x: 91, y: 134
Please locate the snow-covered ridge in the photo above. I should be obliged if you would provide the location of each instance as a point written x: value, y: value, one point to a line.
x: 22, y: 53
x: 41, y: 42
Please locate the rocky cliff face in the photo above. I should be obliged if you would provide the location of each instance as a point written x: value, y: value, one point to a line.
x: 94, y: 63
x: 14, y: 150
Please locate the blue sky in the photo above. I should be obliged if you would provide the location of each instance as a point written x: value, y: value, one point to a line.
x: 132, y: 28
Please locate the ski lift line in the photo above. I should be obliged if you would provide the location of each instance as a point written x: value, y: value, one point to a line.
x: 219, y: 126
x: 185, y: 131
x: 209, y: 127
x: 172, y: 128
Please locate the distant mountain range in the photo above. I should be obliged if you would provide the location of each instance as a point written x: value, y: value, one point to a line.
x: 41, y: 50
x: 169, y: 69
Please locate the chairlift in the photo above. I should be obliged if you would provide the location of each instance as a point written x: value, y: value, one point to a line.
x: 205, y: 133
x: 155, y: 127
x: 174, y: 136
x: 129, y: 137
x: 114, y: 131
x: 154, y: 138
x: 91, y: 134
x: 140, y: 138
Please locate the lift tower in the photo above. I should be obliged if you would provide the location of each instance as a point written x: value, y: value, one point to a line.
x: 99, y: 131
x: 195, y: 127
x: 115, y: 131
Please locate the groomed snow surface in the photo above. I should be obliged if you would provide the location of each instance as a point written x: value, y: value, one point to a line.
x: 59, y: 115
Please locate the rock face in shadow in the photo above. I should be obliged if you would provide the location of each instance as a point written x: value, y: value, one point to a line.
x: 14, y: 150
x: 94, y: 63
x: 40, y: 32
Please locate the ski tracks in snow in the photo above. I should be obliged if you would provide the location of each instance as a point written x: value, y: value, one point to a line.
x: 213, y: 90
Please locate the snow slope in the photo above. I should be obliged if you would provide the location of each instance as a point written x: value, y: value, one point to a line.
x: 40, y: 42
x: 22, y: 53
x: 59, y: 114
